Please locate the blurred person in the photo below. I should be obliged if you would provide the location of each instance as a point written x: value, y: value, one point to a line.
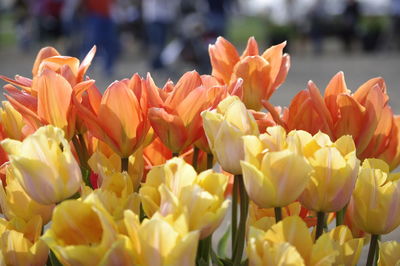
x: 99, y: 29
x: 158, y: 16
x: 23, y: 24
x: 49, y: 18
x: 395, y: 22
x: 317, y: 25
x: 71, y: 18
x: 216, y: 16
x: 351, y: 17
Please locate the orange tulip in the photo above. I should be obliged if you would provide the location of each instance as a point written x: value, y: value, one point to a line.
x: 262, y: 74
x: 120, y: 120
x: 365, y: 115
x: 175, y: 109
x: 46, y: 99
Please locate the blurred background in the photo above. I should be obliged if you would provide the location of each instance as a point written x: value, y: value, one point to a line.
x: 167, y: 38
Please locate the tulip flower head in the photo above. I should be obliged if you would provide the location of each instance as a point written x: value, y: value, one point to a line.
x: 275, y: 171
x: 224, y: 128
x: 44, y: 165
x: 375, y: 203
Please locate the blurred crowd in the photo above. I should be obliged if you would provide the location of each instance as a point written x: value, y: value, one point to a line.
x: 169, y: 30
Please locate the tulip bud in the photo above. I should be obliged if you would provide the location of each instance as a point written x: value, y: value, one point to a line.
x: 375, y: 204
x: 44, y: 165
x: 335, y: 167
x: 11, y: 121
x: 274, y: 172
x: 20, y: 243
x: 224, y: 128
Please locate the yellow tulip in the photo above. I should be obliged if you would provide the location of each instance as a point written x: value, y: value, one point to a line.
x: 14, y: 202
x: 375, y: 204
x: 162, y: 240
x: 176, y: 188
x: 44, y: 165
x: 11, y: 121
x: 389, y: 253
x: 224, y: 128
x: 289, y: 243
x: 20, y: 243
x: 335, y: 167
x: 275, y: 173
x: 103, y: 165
x: 349, y: 248
x: 81, y: 233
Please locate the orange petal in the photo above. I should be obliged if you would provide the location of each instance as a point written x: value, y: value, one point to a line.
x: 223, y: 57
x: 56, y: 62
x: 81, y: 87
x: 274, y: 56
x: 251, y: 48
x: 283, y: 71
x: 54, y: 98
x: 336, y: 86
x: 19, y: 83
x: 255, y: 72
x: 321, y: 108
x: 374, y: 104
x: 43, y: 54
x: 153, y: 92
x: 351, y: 115
x: 274, y: 112
x: 362, y: 92
x: 30, y: 116
x: 169, y: 128
x: 85, y: 64
x: 379, y: 141
x: 187, y: 83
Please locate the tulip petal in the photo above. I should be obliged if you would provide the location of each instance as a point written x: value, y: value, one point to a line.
x: 223, y: 57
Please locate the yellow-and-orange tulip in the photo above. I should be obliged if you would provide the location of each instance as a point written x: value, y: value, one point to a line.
x: 375, y: 204
x: 176, y: 188
x: 224, y: 128
x: 162, y: 240
x: 365, y: 115
x: 280, y: 246
x: 335, y: 168
x: 20, y: 242
x: 120, y: 119
x: 175, y: 109
x: 261, y: 74
x: 389, y: 253
x: 275, y: 172
x: 14, y: 202
x: 44, y: 165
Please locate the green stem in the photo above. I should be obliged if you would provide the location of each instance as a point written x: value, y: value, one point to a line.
x: 205, y: 253
x: 340, y: 216
x: 175, y: 154
x: 210, y: 159
x: 78, y: 150
x: 278, y: 214
x: 195, y: 157
x: 373, y: 247
x: 320, y: 224
x: 85, y: 169
x: 234, y: 209
x: 240, y: 237
x: 124, y: 164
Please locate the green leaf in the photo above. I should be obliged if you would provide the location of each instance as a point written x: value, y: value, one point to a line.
x: 52, y: 260
x: 223, y: 242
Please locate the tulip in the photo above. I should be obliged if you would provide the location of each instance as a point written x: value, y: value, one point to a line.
x: 274, y: 173
x: 162, y: 241
x: 175, y: 187
x: 365, y: 115
x: 335, y: 167
x: 83, y: 238
x: 46, y: 99
x: 11, y: 121
x: 121, y: 118
x: 262, y: 74
x: 44, y: 165
x: 175, y: 110
x: 14, y: 202
x: 280, y: 246
x: 389, y: 253
x: 20, y: 243
x: 375, y: 204
x: 349, y: 248
x: 224, y: 128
